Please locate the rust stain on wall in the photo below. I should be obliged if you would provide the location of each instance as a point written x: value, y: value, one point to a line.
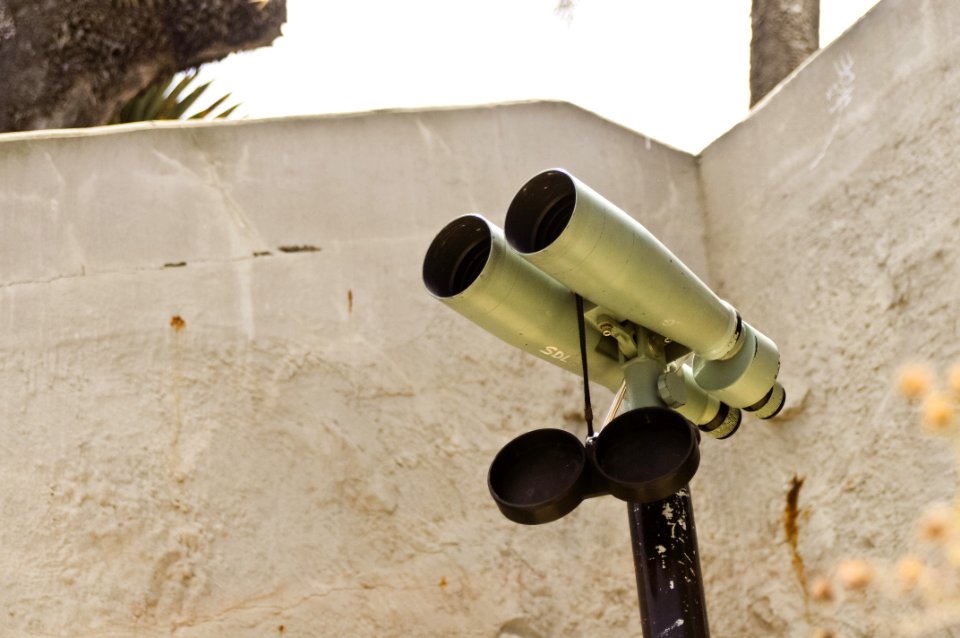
x: 791, y: 529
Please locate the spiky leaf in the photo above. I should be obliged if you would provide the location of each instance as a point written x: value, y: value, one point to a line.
x: 162, y: 101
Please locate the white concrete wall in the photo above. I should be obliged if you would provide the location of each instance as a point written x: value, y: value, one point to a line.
x: 306, y: 455
x: 833, y: 221
x: 304, y: 451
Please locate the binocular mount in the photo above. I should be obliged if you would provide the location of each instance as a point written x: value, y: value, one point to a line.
x: 646, y: 456
x: 643, y: 455
x: 571, y: 272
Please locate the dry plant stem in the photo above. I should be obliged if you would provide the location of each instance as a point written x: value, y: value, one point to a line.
x: 956, y: 493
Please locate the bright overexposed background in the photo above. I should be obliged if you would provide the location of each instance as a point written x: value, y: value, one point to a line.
x: 676, y: 71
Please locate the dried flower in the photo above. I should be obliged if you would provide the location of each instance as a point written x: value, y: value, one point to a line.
x: 909, y: 570
x: 915, y: 381
x: 854, y: 573
x: 937, y: 523
x: 938, y: 412
x: 821, y: 590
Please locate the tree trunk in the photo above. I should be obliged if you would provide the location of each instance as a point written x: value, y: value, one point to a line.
x: 73, y: 63
x: 785, y: 33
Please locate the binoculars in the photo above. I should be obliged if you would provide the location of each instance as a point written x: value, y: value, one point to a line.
x: 562, y: 239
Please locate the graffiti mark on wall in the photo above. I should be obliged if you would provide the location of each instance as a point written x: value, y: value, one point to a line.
x: 839, y: 97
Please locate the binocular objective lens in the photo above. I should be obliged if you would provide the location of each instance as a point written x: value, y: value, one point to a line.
x: 457, y: 256
x: 469, y: 267
x: 554, y: 219
x: 541, y: 211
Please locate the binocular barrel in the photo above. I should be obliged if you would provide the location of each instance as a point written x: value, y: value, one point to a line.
x: 470, y: 268
x: 562, y: 238
x: 564, y: 228
x: 572, y: 233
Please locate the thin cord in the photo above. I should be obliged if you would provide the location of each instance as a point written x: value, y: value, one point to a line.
x: 587, y: 408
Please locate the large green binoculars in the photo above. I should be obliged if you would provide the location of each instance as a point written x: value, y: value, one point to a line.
x: 563, y: 238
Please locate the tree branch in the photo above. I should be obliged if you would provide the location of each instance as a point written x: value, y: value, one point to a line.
x: 73, y: 63
x: 785, y: 33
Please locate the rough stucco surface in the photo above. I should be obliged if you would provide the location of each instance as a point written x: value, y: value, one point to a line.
x: 303, y: 452
x: 203, y: 442
x: 833, y: 218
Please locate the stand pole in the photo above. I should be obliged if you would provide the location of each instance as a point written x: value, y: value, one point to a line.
x: 669, y: 580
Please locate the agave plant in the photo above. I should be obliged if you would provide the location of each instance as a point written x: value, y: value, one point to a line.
x: 169, y: 99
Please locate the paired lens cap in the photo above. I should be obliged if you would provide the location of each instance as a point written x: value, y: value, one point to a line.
x: 643, y: 455
x: 647, y: 454
x: 539, y: 476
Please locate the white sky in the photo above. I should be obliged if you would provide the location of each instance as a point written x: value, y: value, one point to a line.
x: 675, y: 70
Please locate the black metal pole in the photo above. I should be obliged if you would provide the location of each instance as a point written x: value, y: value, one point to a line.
x: 669, y: 580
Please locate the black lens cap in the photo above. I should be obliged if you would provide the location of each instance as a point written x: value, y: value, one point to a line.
x: 538, y: 477
x: 647, y: 454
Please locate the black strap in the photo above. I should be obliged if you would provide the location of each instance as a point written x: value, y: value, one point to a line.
x: 587, y: 408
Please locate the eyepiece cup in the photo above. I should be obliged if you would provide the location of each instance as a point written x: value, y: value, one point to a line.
x: 538, y: 477
x: 771, y: 404
x: 725, y: 424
